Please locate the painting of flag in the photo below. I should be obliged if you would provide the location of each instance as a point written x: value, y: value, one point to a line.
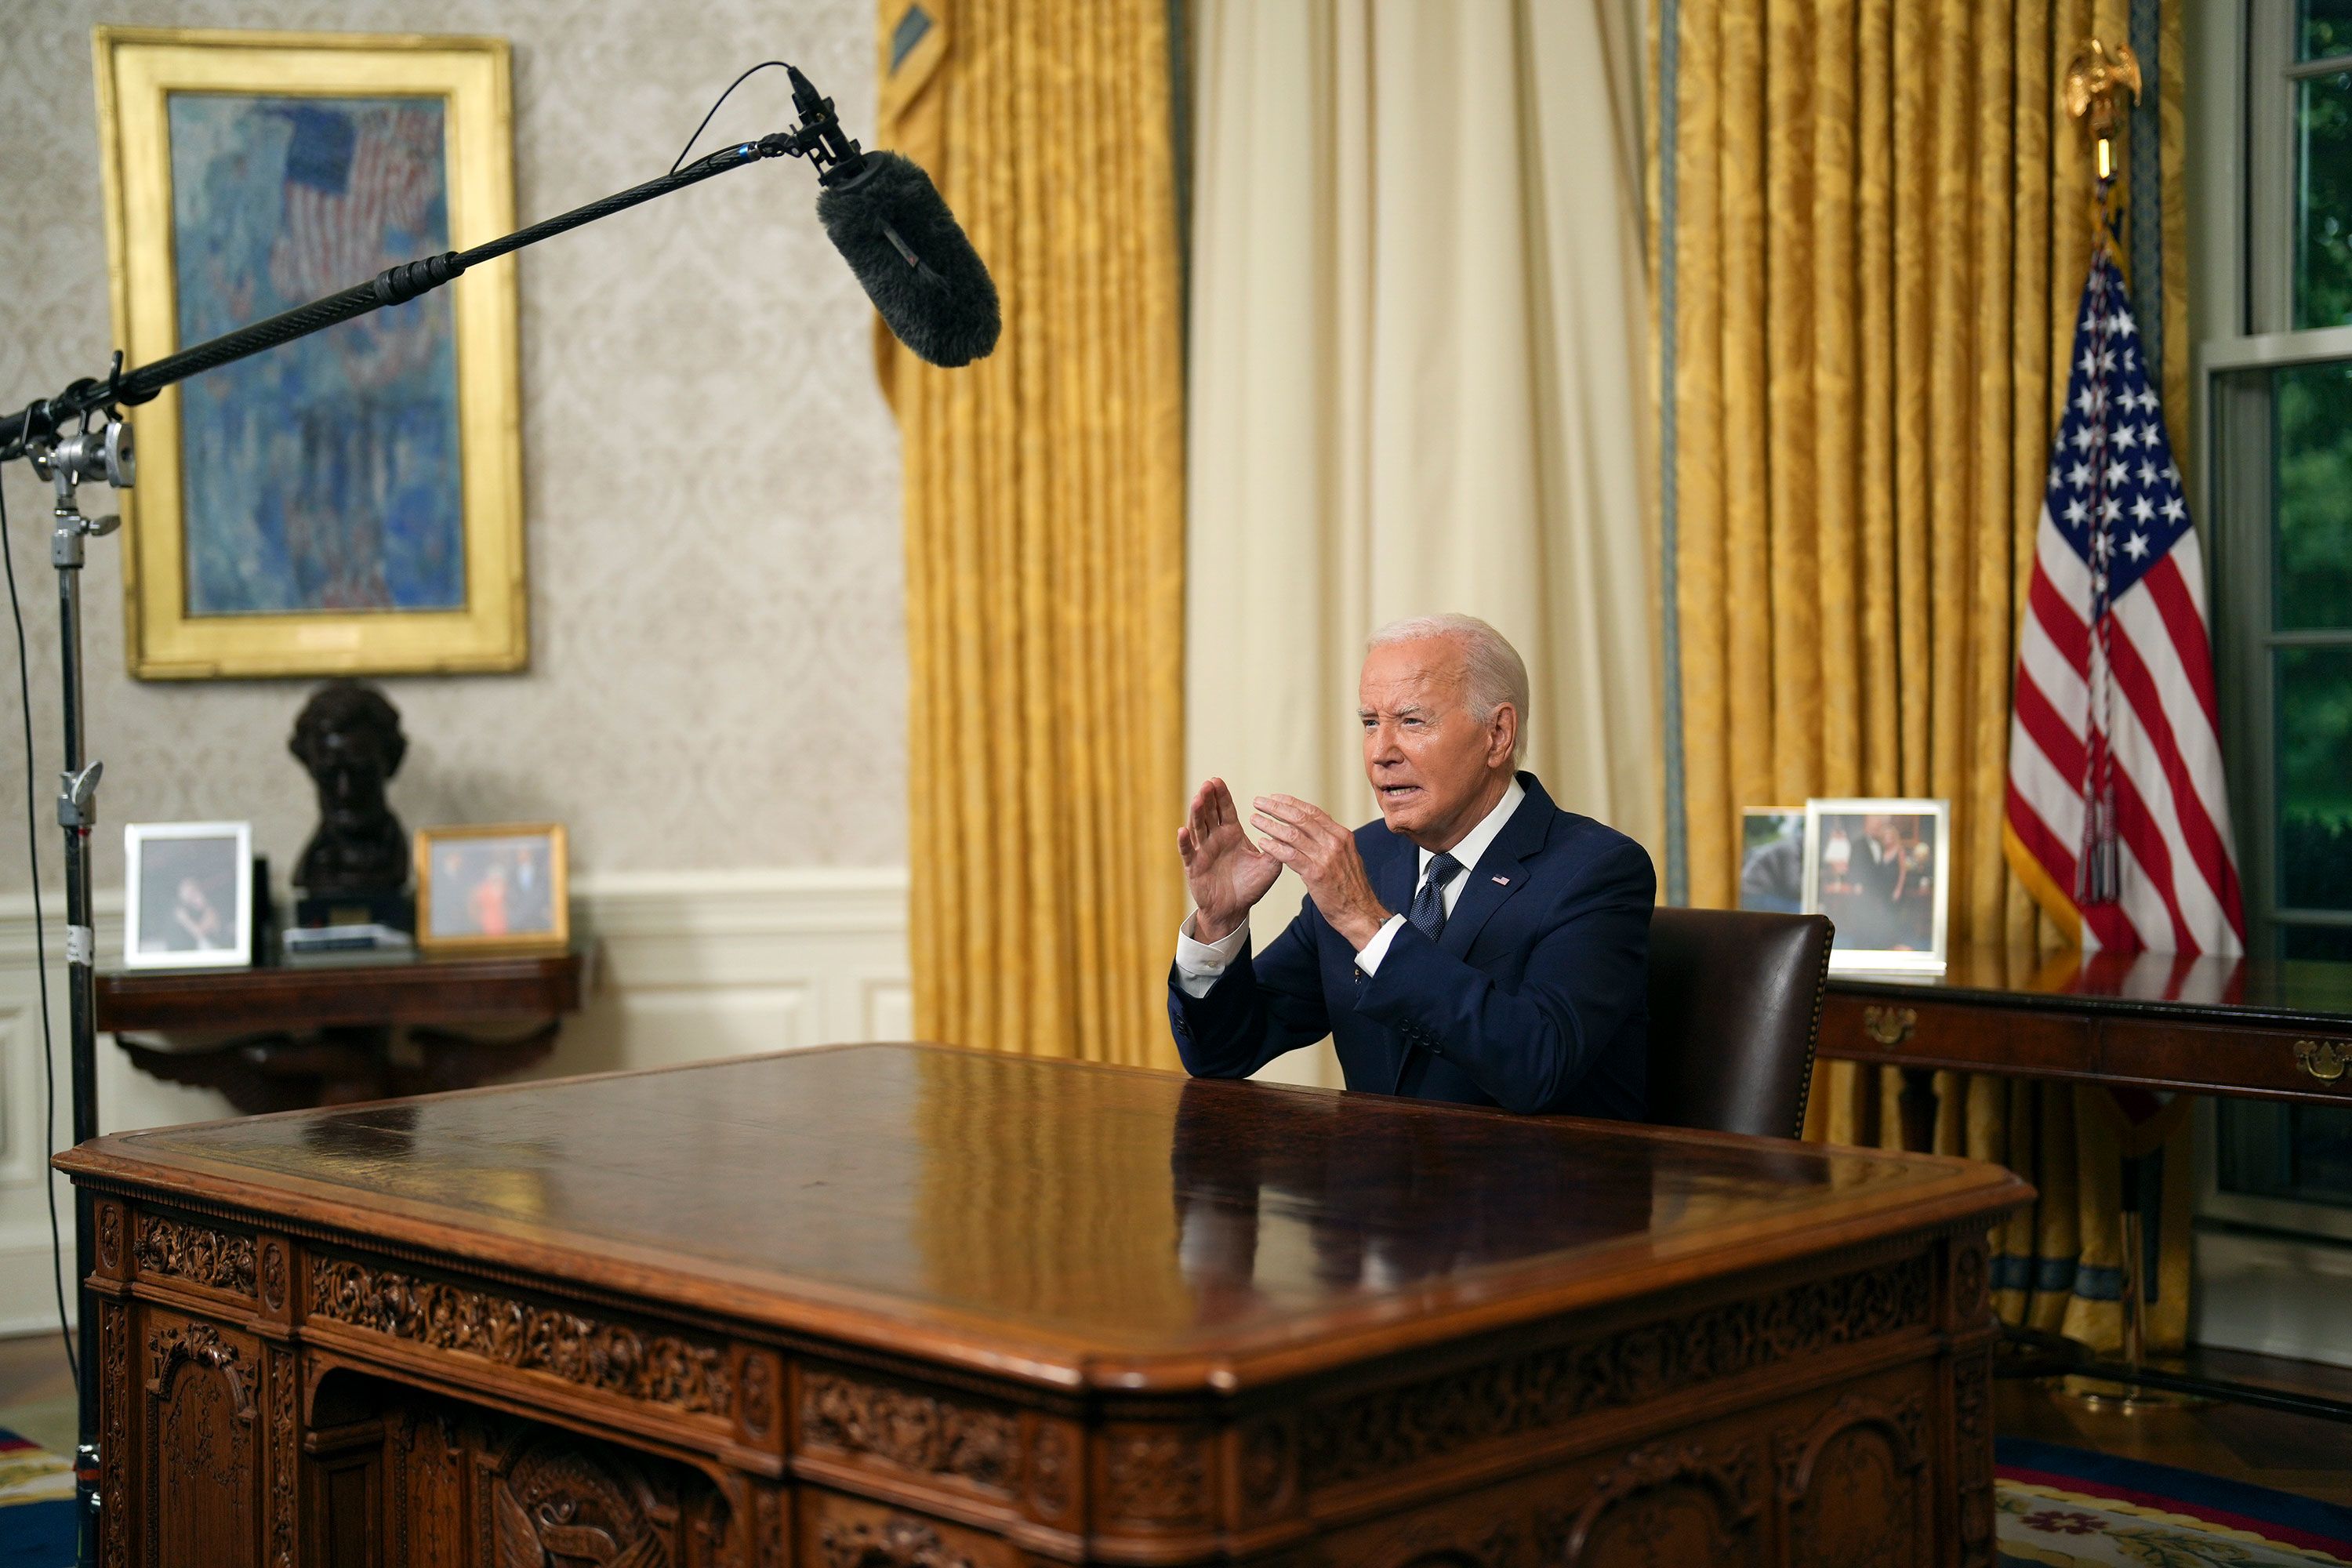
x: 324, y: 474
x: 349, y: 502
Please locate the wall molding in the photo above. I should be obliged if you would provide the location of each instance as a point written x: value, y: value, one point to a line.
x: 686, y: 966
x: 2272, y: 1294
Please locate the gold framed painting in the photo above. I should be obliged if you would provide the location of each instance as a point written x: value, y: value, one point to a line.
x: 351, y: 502
x: 502, y: 886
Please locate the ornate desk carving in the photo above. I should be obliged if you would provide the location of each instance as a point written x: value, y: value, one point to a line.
x: 955, y: 1311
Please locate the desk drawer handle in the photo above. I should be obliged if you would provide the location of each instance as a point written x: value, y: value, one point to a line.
x: 1890, y: 1026
x: 2323, y: 1059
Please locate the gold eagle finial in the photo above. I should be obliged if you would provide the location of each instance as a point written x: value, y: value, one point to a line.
x: 2096, y: 79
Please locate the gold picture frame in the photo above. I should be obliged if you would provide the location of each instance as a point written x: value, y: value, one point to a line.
x: 238, y: 600
x: 478, y: 874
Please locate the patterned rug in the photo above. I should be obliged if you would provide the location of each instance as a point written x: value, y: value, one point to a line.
x: 36, y: 1514
x: 2069, y: 1508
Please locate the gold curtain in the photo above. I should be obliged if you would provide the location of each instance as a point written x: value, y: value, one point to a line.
x: 1881, y: 228
x: 1044, y: 515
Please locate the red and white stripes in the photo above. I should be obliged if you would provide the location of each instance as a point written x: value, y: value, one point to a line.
x: 2178, y: 889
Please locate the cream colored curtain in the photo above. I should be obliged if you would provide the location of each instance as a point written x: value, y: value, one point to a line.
x: 1881, y: 226
x: 1043, y: 523
x: 1418, y: 320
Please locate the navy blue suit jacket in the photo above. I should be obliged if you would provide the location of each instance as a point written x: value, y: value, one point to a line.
x: 1534, y: 997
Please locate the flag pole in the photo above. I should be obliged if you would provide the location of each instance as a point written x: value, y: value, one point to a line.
x: 2096, y: 83
x: 2100, y: 85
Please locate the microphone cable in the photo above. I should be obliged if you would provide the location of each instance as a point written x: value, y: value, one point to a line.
x: 41, y: 954
x: 707, y: 119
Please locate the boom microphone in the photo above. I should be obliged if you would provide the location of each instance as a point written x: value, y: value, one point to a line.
x: 892, y: 226
x: 882, y: 213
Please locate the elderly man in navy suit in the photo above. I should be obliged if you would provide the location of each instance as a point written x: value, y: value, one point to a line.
x: 1475, y: 944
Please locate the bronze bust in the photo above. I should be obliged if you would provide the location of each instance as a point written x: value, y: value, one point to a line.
x: 349, y: 737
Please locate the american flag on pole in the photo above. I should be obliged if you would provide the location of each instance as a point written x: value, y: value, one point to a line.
x: 2118, y: 818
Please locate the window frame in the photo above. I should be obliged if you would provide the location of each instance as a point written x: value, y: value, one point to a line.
x: 2247, y: 224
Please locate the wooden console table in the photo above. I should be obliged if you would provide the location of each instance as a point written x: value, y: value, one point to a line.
x: 907, y: 1307
x: 2205, y: 1026
x: 2259, y: 1030
x: 285, y: 1036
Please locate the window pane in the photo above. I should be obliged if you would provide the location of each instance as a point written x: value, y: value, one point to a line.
x: 2302, y: 1153
x: 2323, y: 201
x: 2311, y: 564
x: 2332, y: 943
x: 2315, y: 777
x: 2322, y: 1154
x: 2325, y: 29
x: 2250, y: 1152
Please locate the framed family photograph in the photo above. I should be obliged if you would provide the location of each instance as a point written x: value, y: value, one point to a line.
x: 351, y: 502
x: 502, y: 885
x: 188, y: 895
x: 1772, y: 859
x: 1876, y: 868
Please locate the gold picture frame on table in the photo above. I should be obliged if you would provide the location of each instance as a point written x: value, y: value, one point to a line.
x: 351, y: 503
x: 504, y: 885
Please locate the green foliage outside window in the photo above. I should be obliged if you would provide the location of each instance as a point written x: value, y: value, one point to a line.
x: 2325, y: 29
x: 2323, y: 260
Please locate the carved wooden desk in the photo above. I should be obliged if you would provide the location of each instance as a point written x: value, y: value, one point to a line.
x: 906, y: 1307
x: 2209, y: 1026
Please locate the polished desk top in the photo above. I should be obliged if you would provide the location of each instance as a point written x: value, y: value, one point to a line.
x: 1074, y: 1226
x: 2291, y: 994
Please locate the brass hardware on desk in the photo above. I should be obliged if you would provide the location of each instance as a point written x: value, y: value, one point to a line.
x: 2323, y: 1059
x: 1890, y: 1026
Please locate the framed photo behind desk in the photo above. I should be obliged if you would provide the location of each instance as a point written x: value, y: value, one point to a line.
x: 502, y: 885
x: 1878, y: 869
x: 188, y: 895
x: 351, y: 503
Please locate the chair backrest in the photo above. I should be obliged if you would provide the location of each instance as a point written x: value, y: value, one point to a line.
x: 1735, y: 1010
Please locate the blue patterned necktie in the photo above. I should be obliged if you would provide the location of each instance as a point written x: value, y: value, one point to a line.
x: 1428, y: 913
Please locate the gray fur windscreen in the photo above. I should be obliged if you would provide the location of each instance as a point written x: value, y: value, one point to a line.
x: 890, y: 223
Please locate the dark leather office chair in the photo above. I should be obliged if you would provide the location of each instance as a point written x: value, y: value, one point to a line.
x: 1735, y: 1010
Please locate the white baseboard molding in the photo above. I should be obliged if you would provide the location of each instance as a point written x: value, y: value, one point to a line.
x: 689, y: 966
x: 2274, y: 1295
x: 28, y: 1304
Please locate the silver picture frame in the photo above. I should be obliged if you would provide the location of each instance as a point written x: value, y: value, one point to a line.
x: 1890, y: 891
x: 188, y: 895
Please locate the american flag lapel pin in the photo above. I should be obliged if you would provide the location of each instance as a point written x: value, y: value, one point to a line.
x: 1502, y: 881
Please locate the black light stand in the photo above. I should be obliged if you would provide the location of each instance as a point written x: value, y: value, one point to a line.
x: 98, y: 446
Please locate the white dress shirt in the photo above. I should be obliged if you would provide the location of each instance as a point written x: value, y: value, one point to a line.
x: 1198, y: 963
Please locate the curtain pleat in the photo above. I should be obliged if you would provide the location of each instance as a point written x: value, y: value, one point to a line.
x: 1417, y: 379
x: 1881, y: 222
x: 1043, y: 514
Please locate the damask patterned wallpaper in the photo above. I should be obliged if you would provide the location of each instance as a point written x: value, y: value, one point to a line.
x: 718, y: 648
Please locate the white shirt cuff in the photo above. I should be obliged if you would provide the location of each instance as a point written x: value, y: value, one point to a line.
x: 1198, y: 963
x: 1369, y: 960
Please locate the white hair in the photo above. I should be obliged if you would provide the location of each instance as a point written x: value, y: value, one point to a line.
x: 1494, y: 672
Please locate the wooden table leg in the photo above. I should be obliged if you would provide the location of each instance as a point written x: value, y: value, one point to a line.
x: 1918, y: 1104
